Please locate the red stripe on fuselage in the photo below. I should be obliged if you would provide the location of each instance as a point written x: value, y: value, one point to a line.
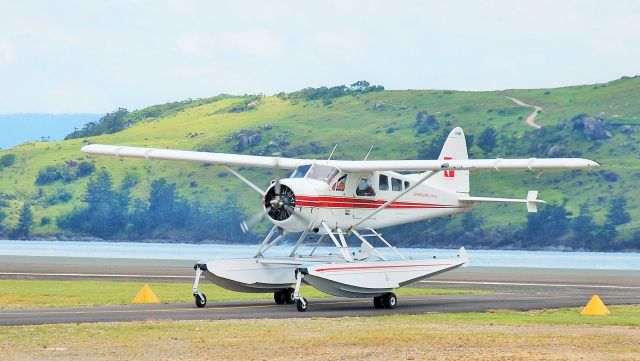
x: 355, y: 268
x: 347, y: 202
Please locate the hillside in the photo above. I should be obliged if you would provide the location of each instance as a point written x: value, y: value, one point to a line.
x: 390, y: 120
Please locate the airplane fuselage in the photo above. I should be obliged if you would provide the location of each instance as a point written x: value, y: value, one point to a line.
x: 345, y: 198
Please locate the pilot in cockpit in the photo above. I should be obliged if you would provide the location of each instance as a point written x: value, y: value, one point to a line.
x: 340, y: 184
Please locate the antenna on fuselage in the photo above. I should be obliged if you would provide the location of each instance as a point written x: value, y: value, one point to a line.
x: 369, y: 152
x: 334, y: 149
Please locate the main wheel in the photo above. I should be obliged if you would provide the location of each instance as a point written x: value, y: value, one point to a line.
x: 377, y: 302
x: 200, y: 302
x: 390, y: 300
x: 280, y: 297
x: 288, y: 293
x: 302, y: 305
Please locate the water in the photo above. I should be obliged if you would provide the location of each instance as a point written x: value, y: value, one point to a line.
x: 185, y: 251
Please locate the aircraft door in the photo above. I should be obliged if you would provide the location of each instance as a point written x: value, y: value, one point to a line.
x: 365, y: 193
x: 339, y: 196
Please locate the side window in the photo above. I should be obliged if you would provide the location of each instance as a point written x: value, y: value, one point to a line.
x: 341, y: 184
x: 407, y: 184
x: 364, y: 188
x: 383, y: 182
x: 396, y: 184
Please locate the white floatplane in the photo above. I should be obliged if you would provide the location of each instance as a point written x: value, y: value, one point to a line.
x: 344, y: 202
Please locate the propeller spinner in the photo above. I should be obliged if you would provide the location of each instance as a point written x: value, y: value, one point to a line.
x: 279, y: 202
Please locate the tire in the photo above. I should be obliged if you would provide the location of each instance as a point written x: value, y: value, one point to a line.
x: 280, y: 297
x: 377, y: 302
x: 301, y: 306
x: 200, y: 303
x: 288, y: 293
x: 390, y: 300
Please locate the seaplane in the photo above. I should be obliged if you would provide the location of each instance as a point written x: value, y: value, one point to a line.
x: 344, y: 204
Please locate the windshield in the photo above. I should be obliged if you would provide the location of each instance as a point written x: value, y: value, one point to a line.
x: 323, y: 173
x: 300, y: 171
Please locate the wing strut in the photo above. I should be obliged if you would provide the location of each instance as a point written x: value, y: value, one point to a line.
x: 388, y: 203
x: 245, y: 180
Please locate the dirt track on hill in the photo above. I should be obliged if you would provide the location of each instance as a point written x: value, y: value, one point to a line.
x: 531, y: 119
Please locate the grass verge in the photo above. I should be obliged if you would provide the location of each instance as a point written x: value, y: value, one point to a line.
x: 548, y: 335
x: 54, y: 293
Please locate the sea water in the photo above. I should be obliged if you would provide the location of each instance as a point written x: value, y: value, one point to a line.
x: 189, y: 251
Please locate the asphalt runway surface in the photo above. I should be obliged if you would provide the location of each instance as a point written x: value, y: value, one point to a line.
x: 513, y: 289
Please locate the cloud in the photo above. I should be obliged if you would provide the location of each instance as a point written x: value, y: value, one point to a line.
x: 7, y: 53
x: 343, y: 44
x: 258, y: 43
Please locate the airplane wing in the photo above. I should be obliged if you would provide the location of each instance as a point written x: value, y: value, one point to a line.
x: 192, y: 156
x: 345, y: 165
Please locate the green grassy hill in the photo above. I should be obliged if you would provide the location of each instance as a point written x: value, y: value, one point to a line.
x: 386, y: 119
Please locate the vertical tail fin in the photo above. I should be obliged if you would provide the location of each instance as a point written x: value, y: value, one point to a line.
x: 455, y: 147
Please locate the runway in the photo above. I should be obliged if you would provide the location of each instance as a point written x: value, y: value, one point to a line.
x: 514, y: 289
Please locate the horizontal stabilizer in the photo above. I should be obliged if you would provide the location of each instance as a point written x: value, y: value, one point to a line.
x: 531, y: 201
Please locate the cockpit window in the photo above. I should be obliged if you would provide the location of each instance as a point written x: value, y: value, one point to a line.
x: 364, y: 188
x: 300, y: 171
x: 383, y: 182
x: 323, y: 173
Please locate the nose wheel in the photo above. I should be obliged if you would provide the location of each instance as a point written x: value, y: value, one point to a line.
x: 200, y: 298
x: 301, y: 304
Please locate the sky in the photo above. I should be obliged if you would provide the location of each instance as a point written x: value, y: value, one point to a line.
x: 96, y: 56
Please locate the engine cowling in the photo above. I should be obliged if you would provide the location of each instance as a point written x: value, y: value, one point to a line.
x: 280, y: 205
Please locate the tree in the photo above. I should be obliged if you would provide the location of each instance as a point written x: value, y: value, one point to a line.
x: 106, y: 211
x: 617, y: 213
x: 469, y: 138
x: 470, y: 221
x: 162, y: 202
x: 360, y: 86
x: 487, y: 140
x: 2, y: 217
x: 433, y: 148
x: 110, y: 123
x: 25, y: 221
x: 583, y: 227
x: 548, y: 224
x: 85, y: 169
x: 99, y: 189
x: 7, y: 160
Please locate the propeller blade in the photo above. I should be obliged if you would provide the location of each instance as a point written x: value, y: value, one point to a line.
x: 276, y: 170
x: 292, y: 212
x: 248, y: 224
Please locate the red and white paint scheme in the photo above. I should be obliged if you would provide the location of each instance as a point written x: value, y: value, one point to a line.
x: 344, y: 203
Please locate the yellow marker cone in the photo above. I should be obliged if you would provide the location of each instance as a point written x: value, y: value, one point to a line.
x: 146, y: 295
x: 595, y: 307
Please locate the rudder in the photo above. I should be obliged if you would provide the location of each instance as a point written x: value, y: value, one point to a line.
x: 455, y: 147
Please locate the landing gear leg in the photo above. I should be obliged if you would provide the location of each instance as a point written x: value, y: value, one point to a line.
x: 301, y: 303
x: 200, y: 298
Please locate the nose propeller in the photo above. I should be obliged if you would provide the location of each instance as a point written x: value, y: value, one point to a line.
x: 279, y: 202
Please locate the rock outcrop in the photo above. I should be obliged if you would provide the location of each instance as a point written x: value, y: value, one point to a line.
x: 594, y: 127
